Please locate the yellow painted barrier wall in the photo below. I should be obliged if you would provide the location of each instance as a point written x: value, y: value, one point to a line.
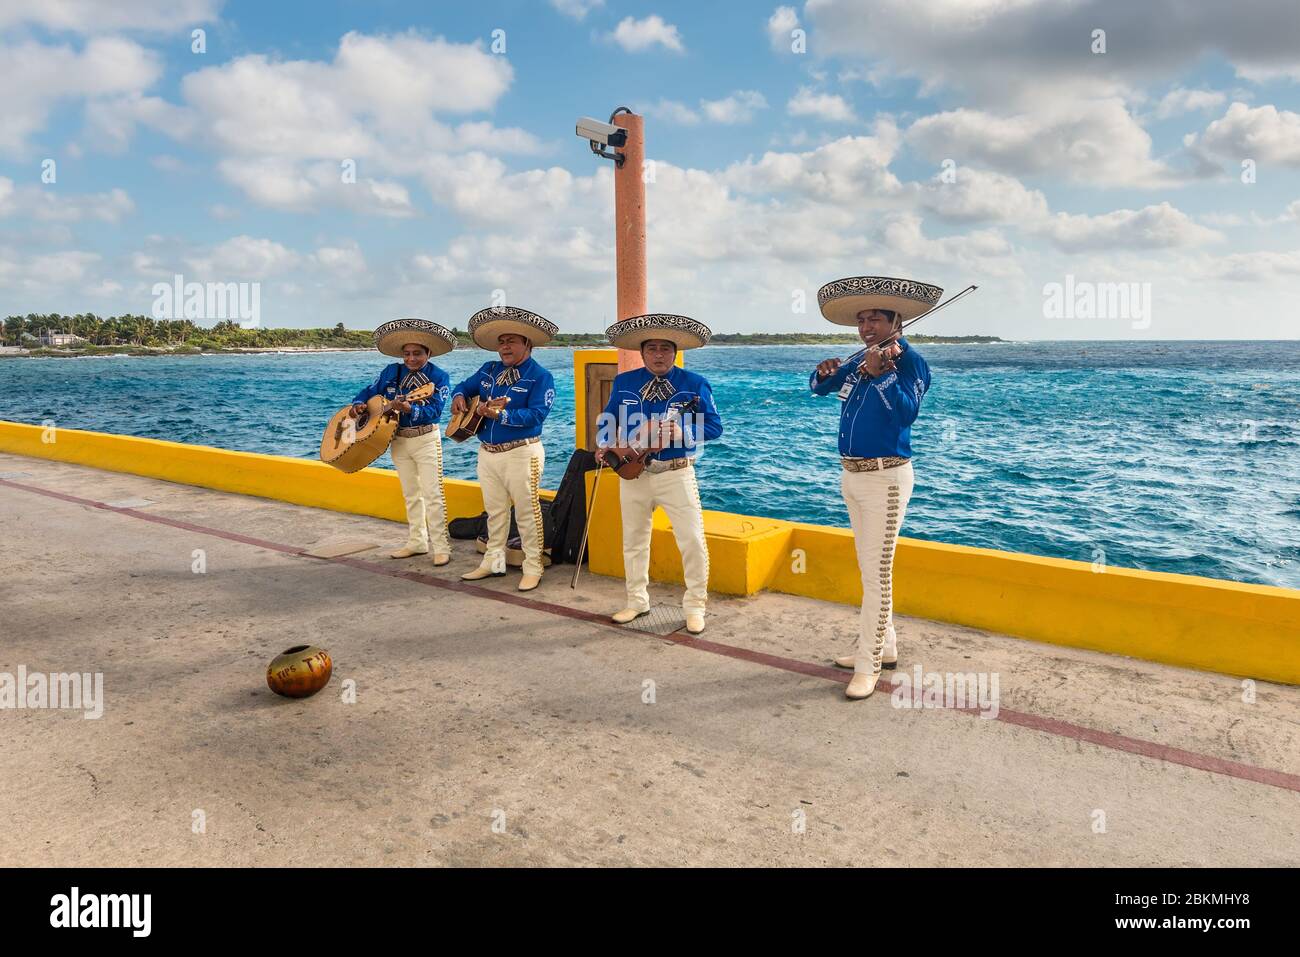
x: 1227, y: 627
x: 371, y: 491
x: 742, y: 550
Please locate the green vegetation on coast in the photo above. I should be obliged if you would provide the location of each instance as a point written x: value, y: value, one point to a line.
x: 143, y: 335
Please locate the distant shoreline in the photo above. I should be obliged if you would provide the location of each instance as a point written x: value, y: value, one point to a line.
x: 146, y: 351
x: 579, y: 341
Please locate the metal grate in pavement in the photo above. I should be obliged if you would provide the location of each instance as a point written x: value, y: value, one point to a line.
x: 662, y: 620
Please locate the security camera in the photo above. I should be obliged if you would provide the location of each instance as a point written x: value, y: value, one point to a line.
x: 605, y: 134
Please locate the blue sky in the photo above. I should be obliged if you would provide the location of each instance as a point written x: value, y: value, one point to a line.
x: 776, y: 170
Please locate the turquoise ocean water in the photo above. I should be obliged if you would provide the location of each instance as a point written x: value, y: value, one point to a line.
x: 1178, y: 457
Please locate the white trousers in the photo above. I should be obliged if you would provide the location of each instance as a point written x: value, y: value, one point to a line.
x: 513, y: 478
x: 678, y: 495
x: 877, y: 502
x: 419, y: 469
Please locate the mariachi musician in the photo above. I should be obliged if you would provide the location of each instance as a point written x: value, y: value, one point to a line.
x: 417, y: 445
x: 515, y: 394
x: 663, y: 407
x: 880, y: 391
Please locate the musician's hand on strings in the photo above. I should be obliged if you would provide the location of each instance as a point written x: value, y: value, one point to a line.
x: 878, y: 362
x: 827, y: 368
x: 401, y: 405
x: 458, y: 404
x: 357, y: 409
x: 669, y: 433
x: 493, y: 408
x: 875, y: 364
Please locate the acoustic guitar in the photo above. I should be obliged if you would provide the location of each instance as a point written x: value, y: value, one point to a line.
x: 470, y: 422
x: 629, y: 461
x: 350, y: 444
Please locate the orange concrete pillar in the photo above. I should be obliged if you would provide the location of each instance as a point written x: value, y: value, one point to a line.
x: 629, y: 229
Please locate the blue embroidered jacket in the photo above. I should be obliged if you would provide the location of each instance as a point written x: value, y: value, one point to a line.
x: 876, y: 415
x: 427, y: 412
x: 627, y: 411
x: 530, y: 399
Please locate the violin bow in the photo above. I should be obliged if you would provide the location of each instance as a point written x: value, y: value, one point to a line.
x: 591, y: 507
x: 911, y: 322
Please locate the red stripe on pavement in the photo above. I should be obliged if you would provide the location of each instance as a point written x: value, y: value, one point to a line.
x: 1046, y: 725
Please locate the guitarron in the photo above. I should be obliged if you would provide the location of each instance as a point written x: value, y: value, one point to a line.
x: 351, y: 444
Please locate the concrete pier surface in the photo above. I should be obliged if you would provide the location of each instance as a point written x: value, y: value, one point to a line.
x: 493, y: 728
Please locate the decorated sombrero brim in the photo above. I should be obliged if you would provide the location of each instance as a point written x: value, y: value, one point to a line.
x: 391, y: 336
x: 487, y: 324
x: 683, y: 331
x: 843, y: 299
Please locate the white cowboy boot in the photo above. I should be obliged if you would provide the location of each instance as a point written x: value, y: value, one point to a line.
x: 406, y: 551
x: 861, y: 685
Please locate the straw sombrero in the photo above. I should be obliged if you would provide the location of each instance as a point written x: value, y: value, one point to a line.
x: 843, y: 299
x: 391, y: 336
x: 683, y: 331
x: 487, y: 324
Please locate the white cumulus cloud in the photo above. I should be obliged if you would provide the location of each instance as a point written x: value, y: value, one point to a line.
x: 1264, y: 134
x: 1182, y: 100
x: 637, y: 36
x: 42, y: 76
x: 97, y: 16
x: 828, y: 107
x: 779, y: 25
x: 1154, y: 227
x: 739, y: 107
x: 50, y: 204
x: 578, y: 9
x: 976, y: 195
x: 242, y: 259
x: 1096, y: 142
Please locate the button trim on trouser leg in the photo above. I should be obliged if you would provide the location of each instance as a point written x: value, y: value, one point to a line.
x: 678, y: 493
x: 533, y: 539
x: 636, y: 510
x: 875, y: 509
x: 496, y: 501
x: 408, y: 478
x: 439, y: 535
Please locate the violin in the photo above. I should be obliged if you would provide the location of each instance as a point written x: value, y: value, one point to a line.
x: 886, y: 345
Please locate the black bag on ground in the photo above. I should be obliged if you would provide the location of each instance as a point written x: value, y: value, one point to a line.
x: 568, y: 512
x: 475, y: 527
x: 468, y: 528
